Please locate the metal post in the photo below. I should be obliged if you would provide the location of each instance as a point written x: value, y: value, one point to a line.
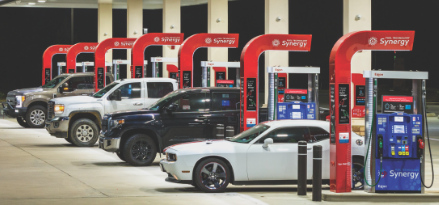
x: 153, y: 70
x: 368, y: 124
x: 271, y: 96
x: 83, y: 67
x: 114, y: 71
x: 316, y: 95
x: 204, y: 77
x: 317, y: 173
x: 208, y: 77
x: 157, y: 67
x: 276, y: 85
x: 237, y: 78
x: 301, y: 168
x: 59, y: 70
x: 420, y: 95
x: 310, y: 95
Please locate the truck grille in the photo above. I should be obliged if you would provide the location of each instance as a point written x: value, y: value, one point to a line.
x: 11, y: 100
x: 50, y: 110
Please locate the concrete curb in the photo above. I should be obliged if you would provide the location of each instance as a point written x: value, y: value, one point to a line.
x: 361, y: 196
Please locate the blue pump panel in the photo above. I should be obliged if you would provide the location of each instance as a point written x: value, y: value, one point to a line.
x: 401, y: 165
x: 296, y: 110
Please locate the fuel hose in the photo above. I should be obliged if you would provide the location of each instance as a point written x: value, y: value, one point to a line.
x: 429, y: 148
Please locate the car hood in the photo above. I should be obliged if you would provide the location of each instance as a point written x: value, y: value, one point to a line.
x: 212, y: 147
x: 75, y: 100
x: 139, y: 111
x: 25, y: 91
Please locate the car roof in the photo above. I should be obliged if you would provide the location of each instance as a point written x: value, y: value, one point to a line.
x: 212, y: 88
x: 147, y: 79
x: 308, y: 123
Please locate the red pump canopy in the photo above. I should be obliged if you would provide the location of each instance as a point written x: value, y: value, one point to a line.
x: 103, y: 47
x: 191, y: 44
x: 75, y: 50
x: 47, y: 60
x: 250, y: 64
x: 340, y: 101
x: 150, y: 39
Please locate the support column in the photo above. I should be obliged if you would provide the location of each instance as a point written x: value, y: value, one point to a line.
x: 134, y: 25
x: 357, y: 16
x: 171, y: 24
x: 105, y: 24
x: 276, y: 22
x: 217, y: 22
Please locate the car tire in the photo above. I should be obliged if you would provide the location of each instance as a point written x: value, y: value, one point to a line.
x: 84, y: 133
x: 139, y: 150
x: 120, y: 155
x: 22, y: 123
x: 209, y: 180
x: 36, y: 116
x: 358, y: 174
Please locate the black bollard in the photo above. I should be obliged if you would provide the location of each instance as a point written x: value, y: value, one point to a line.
x: 317, y: 173
x: 301, y: 166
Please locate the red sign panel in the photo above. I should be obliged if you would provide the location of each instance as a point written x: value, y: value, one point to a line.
x: 296, y: 91
x: 47, y: 60
x: 225, y: 81
x: 77, y: 49
x: 397, y: 98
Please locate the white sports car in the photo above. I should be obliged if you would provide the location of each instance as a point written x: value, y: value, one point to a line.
x: 264, y: 154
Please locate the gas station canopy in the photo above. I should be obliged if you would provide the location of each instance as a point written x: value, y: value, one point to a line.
x: 117, y: 4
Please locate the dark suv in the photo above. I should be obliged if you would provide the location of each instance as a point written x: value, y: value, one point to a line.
x: 186, y: 115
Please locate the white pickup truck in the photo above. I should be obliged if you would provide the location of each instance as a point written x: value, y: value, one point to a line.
x: 78, y: 119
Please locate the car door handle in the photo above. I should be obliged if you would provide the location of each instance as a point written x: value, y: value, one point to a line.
x: 137, y: 103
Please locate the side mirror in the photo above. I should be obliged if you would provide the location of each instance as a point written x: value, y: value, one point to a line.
x: 64, y: 88
x: 116, y: 95
x: 267, y: 142
x: 172, y: 107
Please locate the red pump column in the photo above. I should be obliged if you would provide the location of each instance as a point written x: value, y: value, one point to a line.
x: 47, y: 60
x: 75, y: 50
x: 340, y: 101
x: 250, y: 66
x: 149, y: 39
x: 191, y: 44
x: 103, y: 47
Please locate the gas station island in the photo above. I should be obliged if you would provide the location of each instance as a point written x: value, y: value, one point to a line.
x: 173, y: 127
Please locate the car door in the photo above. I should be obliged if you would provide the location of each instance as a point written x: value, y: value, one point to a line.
x: 279, y: 160
x: 132, y: 98
x: 318, y: 136
x: 156, y: 90
x: 79, y: 85
x: 188, y: 122
x: 224, y: 110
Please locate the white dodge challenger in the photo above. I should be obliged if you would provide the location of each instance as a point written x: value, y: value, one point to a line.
x: 266, y: 154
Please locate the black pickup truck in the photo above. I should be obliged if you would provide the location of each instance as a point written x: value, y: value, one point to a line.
x: 186, y: 115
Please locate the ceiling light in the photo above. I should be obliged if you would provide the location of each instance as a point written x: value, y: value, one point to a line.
x: 31, y: 3
x: 41, y: 1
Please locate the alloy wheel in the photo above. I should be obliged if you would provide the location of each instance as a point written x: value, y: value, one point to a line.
x: 213, y: 175
x: 141, y: 150
x: 84, y: 133
x: 357, y: 176
x: 37, y: 117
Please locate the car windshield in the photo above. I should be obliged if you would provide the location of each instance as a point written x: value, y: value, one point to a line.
x: 53, y: 83
x: 105, y: 90
x: 164, y: 100
x: 250, y: 134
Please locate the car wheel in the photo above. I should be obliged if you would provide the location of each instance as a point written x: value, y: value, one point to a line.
x: 36, y: 116
x: 84, y: 133
x: 120, y: 155
x: 22, y: 123
x: 139, y: 150
x: 358, y: 174
x: 212, y: 175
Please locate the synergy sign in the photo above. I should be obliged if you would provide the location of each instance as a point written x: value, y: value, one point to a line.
x: 47, y: 60
x: 290, y: 42
x: 75, y: 50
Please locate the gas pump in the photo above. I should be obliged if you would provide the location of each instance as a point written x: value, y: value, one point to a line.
x: 156, y: 66
x: 206, y: 67
x: 60, y: 65
x: 116, y: 68
x: 299, y: 103
x: 87, y: 64
x: 395, y: 137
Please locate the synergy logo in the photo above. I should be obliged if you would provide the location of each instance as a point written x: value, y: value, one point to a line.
x: 373, y: 41
x: 208, y: 40
x: 170, y: 39
x: 156, y: 39
x: 229, y: 41
x: 127, y: 43
x: 276, y: 42
x: 86, y: 48
x: 63, y: 49
x: 295, y: 43
x: 116, y: 43
x: 411, y: 175
x: 378, y: 74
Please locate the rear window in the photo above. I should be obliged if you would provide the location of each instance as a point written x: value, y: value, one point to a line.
x: 225, y: 101
x: 159, y: 89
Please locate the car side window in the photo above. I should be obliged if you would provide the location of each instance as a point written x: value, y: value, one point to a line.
x: 286, y: 135
x: 130, y: 90
x: 191, y: 102
x: 318, y: 134
x: 159, y: 89
x: 225, y: 101
x: 78, y: 83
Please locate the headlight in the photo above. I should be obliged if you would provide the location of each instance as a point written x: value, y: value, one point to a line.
x: 171, y: 157
x: 20, y: 99
x: 59, y: 109
x: 359, y: 142
x: 115, y: 123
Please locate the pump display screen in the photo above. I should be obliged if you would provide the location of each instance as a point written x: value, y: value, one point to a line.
x: 398, y: 129
x: 296, y: 95
x: 399, y: 119
x: 397, y: 104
